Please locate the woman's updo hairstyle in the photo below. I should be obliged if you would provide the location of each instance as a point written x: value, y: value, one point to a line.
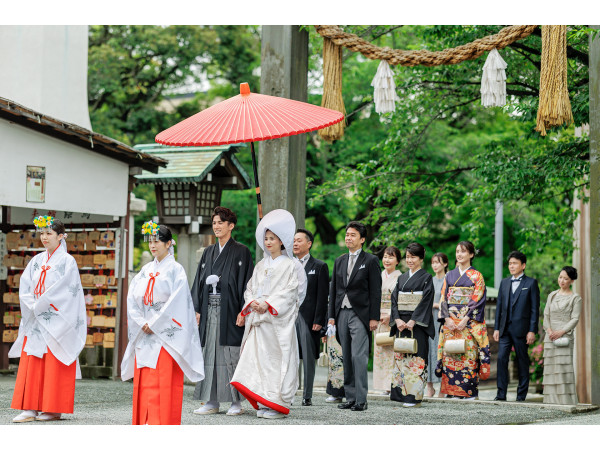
x: 164, y: 234
x: 468, y: 247
x: 58, y: 226
x: 571, y: 272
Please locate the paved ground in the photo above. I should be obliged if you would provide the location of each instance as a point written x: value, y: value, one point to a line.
x: 107, y: 402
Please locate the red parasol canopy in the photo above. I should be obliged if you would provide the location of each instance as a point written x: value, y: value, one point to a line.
x: 248, y: 117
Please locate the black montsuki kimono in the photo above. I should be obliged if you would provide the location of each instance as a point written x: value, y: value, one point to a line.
x: 409, y: 374
x: 234, y: 266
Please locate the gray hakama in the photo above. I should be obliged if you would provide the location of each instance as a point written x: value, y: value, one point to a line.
x: 220, y: 361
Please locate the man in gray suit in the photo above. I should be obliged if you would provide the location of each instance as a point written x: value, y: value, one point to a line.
x: 355, y: 298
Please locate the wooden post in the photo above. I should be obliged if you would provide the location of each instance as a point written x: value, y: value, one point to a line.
x: 594, y: 93
x: 282, y: 162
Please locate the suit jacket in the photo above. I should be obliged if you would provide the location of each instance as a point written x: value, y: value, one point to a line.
x: 314, y: 308
x: 524, y: 308
x: 363, y: 287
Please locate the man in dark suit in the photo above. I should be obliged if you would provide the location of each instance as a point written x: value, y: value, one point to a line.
x: 313, y: 311
x: 355, y: 298
x: 517, y: 316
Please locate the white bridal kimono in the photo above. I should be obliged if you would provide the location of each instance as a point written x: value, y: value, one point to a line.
x: 268, y: 366
x: 170, y: 315
x: 267, y: 372
x: 52, y: 308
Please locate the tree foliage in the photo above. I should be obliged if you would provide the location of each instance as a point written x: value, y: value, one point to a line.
x: 444, y: 160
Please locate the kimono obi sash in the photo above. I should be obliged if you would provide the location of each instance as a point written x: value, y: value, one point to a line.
x: 408, y: 301
x: 386, y: 300
x: 460, y: 295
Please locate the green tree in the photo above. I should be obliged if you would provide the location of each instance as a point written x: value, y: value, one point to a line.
x: 444, y: 160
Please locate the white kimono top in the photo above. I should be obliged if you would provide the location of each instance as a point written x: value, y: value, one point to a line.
x: 268, y: 364
x: 159, y: 295
x: 52, y: 308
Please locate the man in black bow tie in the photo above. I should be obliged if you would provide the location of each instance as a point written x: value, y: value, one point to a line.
x: 517, y: 316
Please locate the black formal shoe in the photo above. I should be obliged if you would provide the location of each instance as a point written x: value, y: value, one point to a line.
x: 520, y: 399
x: 346, y: 405
x: 498, y: 399
x: 306, y: 402
x: 359, y: 407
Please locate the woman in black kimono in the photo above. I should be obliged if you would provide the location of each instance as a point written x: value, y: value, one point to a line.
x: 412, y: 301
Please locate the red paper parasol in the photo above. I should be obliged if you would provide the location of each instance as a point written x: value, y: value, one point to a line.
x: 249, y: 117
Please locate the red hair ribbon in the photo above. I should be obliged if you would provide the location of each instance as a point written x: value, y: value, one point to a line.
x: 40, y: 287
x: 149, y: 294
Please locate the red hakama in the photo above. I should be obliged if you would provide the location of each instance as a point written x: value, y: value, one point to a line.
x: 158, y: 393
x: 44, y: 384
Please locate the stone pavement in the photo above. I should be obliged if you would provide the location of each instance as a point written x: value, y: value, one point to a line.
x: 107, y: 402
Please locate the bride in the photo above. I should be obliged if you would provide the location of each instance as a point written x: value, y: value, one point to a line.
x: 267, y: 373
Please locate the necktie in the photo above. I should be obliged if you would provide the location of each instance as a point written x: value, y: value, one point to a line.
x: 351, y: 264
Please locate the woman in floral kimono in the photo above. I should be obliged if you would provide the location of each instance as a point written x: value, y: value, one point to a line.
x: 267, y: 372
x: 383, y: 356
x: 412, y: 300
x: 52, y: 331
x: 463, y: 310
x: 164, y: 343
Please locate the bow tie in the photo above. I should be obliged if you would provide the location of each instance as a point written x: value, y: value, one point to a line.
x: 516, y: 280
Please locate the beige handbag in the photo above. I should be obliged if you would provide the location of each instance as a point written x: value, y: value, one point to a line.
x: 384, y: 339
x: 323, y: 360
x: 455, y: 346
x: 406, y: 345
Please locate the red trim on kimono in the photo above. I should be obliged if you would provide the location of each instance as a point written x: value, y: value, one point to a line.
x: 272, y: 310
x: 255, y: 398
x: 246, y: 310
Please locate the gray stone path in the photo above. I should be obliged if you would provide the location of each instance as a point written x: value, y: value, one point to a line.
x: 107, y: 402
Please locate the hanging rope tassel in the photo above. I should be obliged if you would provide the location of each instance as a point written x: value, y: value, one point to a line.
x: 554, y: 107
x: 332, y: 88
x: 384, y: 95
x: 493, y: 81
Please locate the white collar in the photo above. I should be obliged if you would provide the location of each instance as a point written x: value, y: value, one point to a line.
x: 411, y: 273
x: 221, y: 248
x: 521, y: 275
x: 157, y: 264
x: 304, y: 258
x: 462, y: 272
x: 355, y: 253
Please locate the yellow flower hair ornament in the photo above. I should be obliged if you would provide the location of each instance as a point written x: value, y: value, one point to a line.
x: 43, y: 222
x: 150, y: 231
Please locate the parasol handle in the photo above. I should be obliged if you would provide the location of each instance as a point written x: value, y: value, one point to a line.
x: 257, y: 186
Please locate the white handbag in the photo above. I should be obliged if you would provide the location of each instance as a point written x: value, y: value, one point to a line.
x: 406, y: 345
x: 384, y: 339
x: 561, y: 342
x: 323, y: 360
x: 455, y: 346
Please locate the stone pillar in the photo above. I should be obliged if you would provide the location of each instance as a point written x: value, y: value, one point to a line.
x: 498, y: 244
x: 282, y: 162
x: 187, y: 245
x: 594, y: 90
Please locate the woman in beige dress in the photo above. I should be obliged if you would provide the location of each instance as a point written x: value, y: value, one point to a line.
x: 560, y: 319
x: 383, y: 357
